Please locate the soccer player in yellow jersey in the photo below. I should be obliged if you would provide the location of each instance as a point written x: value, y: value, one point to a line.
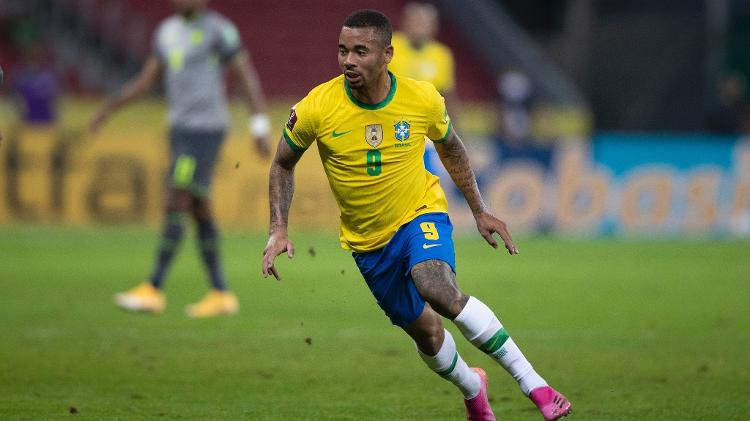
x: 419, y: 56
x: 370, y: 126
x: 416, y: 53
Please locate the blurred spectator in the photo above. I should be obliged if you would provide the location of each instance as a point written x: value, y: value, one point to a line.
x: 514, y: 138
x: 515, y: 93
x: 417, y: 55
x: 727, y: 117
x: 36, y: 87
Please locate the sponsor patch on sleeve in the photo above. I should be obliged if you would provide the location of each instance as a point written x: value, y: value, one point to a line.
x: 292, y: 120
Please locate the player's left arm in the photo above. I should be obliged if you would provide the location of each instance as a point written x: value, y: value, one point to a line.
x: 241, y: 67
x: 456, y: 161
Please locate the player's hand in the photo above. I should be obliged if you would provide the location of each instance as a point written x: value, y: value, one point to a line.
x: 97, y: 121
x: 261, y: 146
x: 487, y: 225
x: 278, y: 243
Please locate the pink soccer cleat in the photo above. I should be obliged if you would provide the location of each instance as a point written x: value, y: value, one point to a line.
x: 550, y: 402
x: 478, y: 408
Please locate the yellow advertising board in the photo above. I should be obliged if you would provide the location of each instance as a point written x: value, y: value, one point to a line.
x: 66, y: 176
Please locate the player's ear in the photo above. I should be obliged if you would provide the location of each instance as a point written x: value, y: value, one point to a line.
x: 388, y: 54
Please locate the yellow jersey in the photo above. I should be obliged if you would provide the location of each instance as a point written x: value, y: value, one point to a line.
x: 372, y: 155
x: 432, y: 63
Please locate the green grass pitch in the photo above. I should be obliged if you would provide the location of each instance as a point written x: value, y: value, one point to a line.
x: 628, y: 330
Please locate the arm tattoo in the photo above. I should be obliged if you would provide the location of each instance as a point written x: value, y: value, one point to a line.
x: 453, y: 155
x: 281, y: 186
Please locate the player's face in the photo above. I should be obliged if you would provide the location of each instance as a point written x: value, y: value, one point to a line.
x: 363, y: 57
x: 420, y: 25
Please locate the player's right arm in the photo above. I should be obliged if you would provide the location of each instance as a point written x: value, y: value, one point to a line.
x: 280, y: 192
x: 144, y: 82
x: 300, y: 132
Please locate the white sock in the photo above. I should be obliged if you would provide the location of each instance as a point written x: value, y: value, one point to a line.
x: 450, y: 366
x: 482, y: 328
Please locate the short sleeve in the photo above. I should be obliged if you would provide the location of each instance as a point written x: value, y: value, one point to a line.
x: 300, y: 130
x: 229, y: 42
x: 439, y: 122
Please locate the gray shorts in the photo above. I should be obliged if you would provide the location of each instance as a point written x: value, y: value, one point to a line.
x: 192, y: 157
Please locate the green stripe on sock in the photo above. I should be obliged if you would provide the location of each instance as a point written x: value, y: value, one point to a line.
x: 451, y: 368
x: 495, y: 342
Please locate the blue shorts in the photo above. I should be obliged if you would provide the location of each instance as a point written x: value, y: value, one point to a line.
x: 192, y: 157
x: 387, y: 271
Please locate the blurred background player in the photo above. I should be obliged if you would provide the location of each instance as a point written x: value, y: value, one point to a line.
x: 514, y: 138
x: 36, y: 87
x: 416, y: 54
x: 729, y: 115
x: 191, y: 48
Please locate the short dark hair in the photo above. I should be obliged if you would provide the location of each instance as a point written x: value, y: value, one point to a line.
x: 368, y: 18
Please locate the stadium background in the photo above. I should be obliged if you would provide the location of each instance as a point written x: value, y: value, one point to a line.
x: 624, y: 162
x: 590, y: 85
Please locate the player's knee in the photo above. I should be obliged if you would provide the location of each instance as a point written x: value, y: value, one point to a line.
x: 457, y: 305
x: 178, y: 201
x: 451, y: 303
x: 431, y: 339
x: 427, y: 331
x: 201, y: 210
x: 176, y: 207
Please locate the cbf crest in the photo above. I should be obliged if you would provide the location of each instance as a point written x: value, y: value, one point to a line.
x: 374, y: 135
x: 402, y: 130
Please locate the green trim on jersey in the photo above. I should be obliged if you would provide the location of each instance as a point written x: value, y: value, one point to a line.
x: 495, y: 342
x: 447, y: 133
x: 291, y: 144
x: 380, y: 104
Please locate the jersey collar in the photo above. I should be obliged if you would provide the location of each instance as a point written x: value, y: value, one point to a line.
x: 378, y: 105
x: 197, y: 16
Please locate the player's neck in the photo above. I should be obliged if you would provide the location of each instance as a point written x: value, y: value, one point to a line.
x: 190, y: 15
x: 416, y: 45
x: 375, y: 93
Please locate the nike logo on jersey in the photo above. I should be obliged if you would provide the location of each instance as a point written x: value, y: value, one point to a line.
x: 334, y: 134
x: 429, y: 246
